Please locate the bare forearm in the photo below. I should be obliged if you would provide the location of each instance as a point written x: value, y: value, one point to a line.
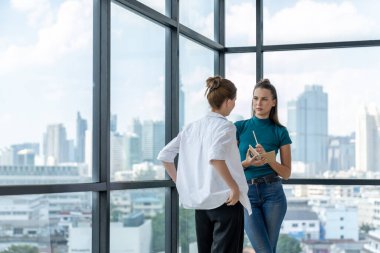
x: 282, y: 170
x: 171, y: 170
x: 245, y: 164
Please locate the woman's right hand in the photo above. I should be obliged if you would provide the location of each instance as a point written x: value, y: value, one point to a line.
x: 234, y: 196
x: 253, y: 160
x: 249, y: 158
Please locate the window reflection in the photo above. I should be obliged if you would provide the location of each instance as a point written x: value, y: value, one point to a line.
x: 137, y: 96
x: 196, y: 65
x: 138, y: 221
x: 46, y: 92
x: 198, y: 15
x: 46, y: 223
x: 320, y: 21
x: 331, y: 138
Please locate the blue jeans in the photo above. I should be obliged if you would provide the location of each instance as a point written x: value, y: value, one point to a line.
x: 269, y: 206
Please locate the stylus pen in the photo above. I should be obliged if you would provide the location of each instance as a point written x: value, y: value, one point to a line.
x: 254, y: 135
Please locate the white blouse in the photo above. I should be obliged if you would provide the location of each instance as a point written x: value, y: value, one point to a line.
x: 199, y: 184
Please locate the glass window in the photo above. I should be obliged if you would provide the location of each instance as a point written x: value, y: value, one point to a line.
x: 329, y: 103
x: 240, y: 23
x: 196, y: 65
x: 298, y: 21
x: 241, y: 70
x: 326, y: 203
x: 46, y: 223
x: 138, y: 220
x: 46, y: 91
x: 137, y: 96
x: 198, y: 15
x: 158, y: 5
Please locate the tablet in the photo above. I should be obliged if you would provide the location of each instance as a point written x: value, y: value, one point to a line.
x: 269, y: 156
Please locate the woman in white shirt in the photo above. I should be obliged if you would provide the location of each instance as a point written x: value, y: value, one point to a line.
x: 210, y: 177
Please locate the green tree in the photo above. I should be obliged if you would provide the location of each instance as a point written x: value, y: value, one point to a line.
x: 366, y: 227
x: 158, y: 230
x: 287, y: 244
x: 186, y: 230
x: 21, y: 249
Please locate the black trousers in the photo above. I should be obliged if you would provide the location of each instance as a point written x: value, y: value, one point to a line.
x: 220, y: 230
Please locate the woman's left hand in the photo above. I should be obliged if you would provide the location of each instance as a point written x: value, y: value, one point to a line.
x: 259, y: 161
x: 260, y: 149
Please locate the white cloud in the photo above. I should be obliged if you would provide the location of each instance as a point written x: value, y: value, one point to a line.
x: 310, y: 20
x: 199, y: 16
x: 196, y: 105
x: 241, y: 70
x: 38, y: 11
x: 158, y: 5
x: 194, y: 87
x: 348, y: 76
x: 71, y: 31
x: 241, y: 23
x: 153, y: 103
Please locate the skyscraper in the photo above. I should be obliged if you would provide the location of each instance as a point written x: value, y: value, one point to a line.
x: 113, y: 123
x: 81, y: 139
x: 55, y: 144
x: 367, y: 139
x: 25, y: 157
x: 341, y: 152
x: 153, y: 139
x: 133, y: 151
x: 181, y: 107
x: 118, y: 153
x: 307, y: 125
x: 16, y: 148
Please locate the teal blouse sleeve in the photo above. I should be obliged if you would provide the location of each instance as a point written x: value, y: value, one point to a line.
x: 284, y: 136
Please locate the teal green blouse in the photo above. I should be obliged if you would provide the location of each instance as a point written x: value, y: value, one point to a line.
x: 268, y: 134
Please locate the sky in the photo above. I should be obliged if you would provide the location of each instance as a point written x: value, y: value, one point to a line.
x: 46, y: 61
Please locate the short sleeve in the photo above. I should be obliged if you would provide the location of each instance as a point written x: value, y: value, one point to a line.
x: 223, y: 139
x: 170, y: 151
x: 284, y: 137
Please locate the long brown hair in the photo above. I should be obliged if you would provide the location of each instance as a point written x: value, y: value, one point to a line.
x: 218, y: 90
x: 266, y: 84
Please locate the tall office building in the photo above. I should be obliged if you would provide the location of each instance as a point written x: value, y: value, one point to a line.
x: 81, y: 139
x: 6, y: 156
x: 137, y: 129
x: 367, y: 139
x: 16, y: 148
x: 55, y: 144
x: 307, y: 125
x: 113, y: 123
x: 341, y: 152
x: 118, y: 153
x: 25, y: 157
x: 153, y: 139
x: 181, y: 107
x: 133, y: 150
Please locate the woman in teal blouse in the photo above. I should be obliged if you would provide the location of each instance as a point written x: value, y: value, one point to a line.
x: 265, y: 133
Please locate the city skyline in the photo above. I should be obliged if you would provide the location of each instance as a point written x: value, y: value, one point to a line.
x: 46, y: 94
x: 342, y: 73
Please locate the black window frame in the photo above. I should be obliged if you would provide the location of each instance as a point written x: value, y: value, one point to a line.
x: 102, y: 186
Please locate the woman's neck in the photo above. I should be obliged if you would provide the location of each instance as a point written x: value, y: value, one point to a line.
x: 220, y: 111
x: 262, y: 116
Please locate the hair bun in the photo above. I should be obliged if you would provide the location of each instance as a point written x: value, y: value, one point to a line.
x: 213, y: 83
